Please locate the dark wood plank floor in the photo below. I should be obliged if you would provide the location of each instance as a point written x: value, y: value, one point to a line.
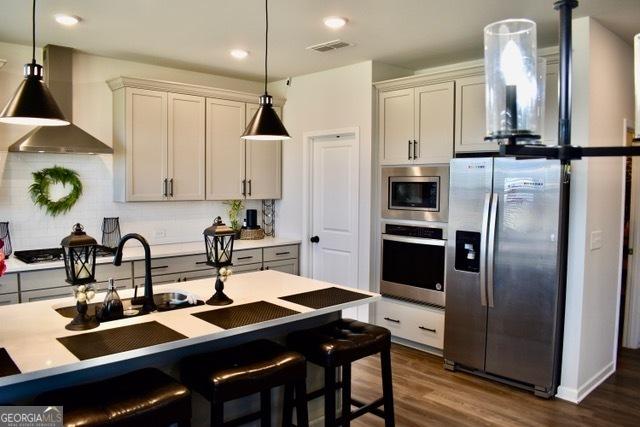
x: 427, y: 395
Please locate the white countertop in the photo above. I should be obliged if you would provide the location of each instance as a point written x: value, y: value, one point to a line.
x: 28, y: 331
x: 134, y: 251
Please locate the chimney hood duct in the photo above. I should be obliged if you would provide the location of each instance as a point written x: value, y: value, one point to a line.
x: 60, y: 139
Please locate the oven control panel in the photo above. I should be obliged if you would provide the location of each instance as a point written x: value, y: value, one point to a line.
x: 413, y: 231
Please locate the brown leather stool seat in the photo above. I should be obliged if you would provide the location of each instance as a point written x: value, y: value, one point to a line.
x: 147, y: 397
x: 338, y: 344
x: 255, y: 367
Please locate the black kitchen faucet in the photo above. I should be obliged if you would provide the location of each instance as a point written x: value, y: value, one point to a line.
x: 147, y: 300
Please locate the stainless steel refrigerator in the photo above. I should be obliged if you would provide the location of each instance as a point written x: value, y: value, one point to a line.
x: 503, y: 315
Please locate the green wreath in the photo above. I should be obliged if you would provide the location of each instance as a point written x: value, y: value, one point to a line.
x: 39, y: 190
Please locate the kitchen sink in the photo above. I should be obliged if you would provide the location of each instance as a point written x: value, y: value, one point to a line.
x: 165, y: 301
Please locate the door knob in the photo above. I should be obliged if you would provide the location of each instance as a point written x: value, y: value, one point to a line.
x: 315, y: 239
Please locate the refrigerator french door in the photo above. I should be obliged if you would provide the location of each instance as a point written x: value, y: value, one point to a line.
x: 503, y: 302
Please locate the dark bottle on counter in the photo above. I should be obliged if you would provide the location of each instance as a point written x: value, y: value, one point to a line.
x: 112, y: 307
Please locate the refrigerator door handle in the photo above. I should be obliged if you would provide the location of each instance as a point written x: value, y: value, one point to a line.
x: 483, y: 250
x: 491, y: 251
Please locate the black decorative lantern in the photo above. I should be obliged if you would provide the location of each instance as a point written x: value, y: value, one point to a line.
x: 79, y: 252
x: 218, y: 240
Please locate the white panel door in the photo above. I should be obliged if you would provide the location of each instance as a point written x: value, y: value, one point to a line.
x: 225, y: 162
x: 434, y: 112
x: 264, y: 164
x: 186, y: 147
x: 146, y: 152
x: 470, y: 116
x: 396, y: 131
x: 335, y: 210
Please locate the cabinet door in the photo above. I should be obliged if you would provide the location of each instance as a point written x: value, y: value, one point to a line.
x: 43, y: 294
x: 8, y: 299
x: 287, y: 266
x: 264, y: 164
x: 146, y: 151
x: 395, y: 109
x: 186, y: 147
x: 434, y: 112
x: 225, y: 161
x: 550, y: 127
x: 470, y: 116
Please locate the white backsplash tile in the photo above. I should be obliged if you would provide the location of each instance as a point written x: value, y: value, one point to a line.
x: 31, y: 227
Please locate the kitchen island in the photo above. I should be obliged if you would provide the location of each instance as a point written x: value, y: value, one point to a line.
x: 30, y: 333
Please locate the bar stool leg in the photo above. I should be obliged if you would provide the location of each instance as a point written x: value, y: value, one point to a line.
x: 387, y: 387
x: 346, y: 395
x: 301, y: 404
x: 265, y: 408
x: 217, y: 412
x: 330, y: 397
x: 287, y: 406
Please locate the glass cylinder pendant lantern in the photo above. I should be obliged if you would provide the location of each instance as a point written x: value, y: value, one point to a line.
x: 79, y: 252
x: 218, y: 240
x: 636, y: 43
x: 511, y: 70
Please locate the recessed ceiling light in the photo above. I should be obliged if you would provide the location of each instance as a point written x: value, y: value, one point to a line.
x: 66, y: 20
x: 239, y: 53
x: 335, y: 22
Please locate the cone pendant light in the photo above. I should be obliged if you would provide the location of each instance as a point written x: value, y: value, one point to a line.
x: 265, y: 124
x: 33, y: 104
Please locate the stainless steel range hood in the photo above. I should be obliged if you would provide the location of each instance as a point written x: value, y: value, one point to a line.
x: 58, y: 73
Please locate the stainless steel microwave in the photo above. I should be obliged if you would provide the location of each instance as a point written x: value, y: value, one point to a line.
x: 416, y: 193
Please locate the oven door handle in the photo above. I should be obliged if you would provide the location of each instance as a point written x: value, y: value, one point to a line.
x: 415, y: 240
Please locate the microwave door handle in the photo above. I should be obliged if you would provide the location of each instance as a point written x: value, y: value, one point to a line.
x: 493, y: 219
x: 483, y: 249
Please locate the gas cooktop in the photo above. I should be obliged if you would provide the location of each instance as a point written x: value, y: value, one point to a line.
x: 35, y: 256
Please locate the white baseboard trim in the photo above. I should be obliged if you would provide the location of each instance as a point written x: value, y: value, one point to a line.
x: 417, y: 346
x: 574, y: 395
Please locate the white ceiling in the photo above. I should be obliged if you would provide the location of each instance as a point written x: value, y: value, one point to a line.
x: 197, y: 34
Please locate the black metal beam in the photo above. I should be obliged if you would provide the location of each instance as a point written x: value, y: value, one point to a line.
x: 567, y: 153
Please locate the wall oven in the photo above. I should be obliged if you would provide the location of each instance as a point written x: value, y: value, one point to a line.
x: 413, y: 264
x: 416, y: 193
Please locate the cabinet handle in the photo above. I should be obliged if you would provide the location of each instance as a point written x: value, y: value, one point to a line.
x: 424, y: 328
x: 283, y: 253
x: 244, y: 257
x: 409, y: 145
x: 267, y: 267
x: 171, y: 187
x: 164, y: 188
x: 415, y: 150
x: 392, y: 320
x: 244, y: 187
x: 200, y: 262
x: 249, y: 187
x: 159, y: 267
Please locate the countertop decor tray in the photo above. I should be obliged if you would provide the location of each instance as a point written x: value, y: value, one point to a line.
x: 116, y: 340
x: 7, y: 365
x: 324, y: 297
x: 244, y: 314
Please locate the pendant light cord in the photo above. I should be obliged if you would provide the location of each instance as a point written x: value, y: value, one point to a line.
x: 266, y: 41
x: 33, y: 33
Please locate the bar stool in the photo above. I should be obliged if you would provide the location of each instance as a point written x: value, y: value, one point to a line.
x: 255, y: 367
x: 339, y: 344
x: 147, y: 397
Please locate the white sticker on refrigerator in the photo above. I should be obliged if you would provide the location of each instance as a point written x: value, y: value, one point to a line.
x: 519, y: 198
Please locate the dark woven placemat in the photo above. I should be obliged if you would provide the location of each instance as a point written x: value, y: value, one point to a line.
x: 244, y: 314
x: 324, y: 297
x: 7, y: 365
x: 116, y: 340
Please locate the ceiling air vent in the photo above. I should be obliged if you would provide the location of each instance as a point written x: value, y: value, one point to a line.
x: 329, y: 46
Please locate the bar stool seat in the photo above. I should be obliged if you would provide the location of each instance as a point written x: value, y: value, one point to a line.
x: 255, y: 367
x: 146, y: 397
x: 338, y: 344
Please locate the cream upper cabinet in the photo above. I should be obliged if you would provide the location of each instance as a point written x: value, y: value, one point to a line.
x: 186, y: 145
x: 470, y: 116
x: 434, y: 111
x: 550, y: 129
x: 225, y: 158
x: 263, y: 164
x: 396, y: 117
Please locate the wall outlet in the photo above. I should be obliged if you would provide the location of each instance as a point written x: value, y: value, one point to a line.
x: 159, y: 234
x: 596, y: 240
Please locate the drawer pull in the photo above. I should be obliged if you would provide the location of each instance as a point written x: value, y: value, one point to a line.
x: 392, y: 320
x: 283, y: 253
x: 245, y: 257
x: 159, y: 267
x: 427, y: 329
x: 200, y: 262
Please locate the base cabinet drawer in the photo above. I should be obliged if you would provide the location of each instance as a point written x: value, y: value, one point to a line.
x: 280, y: 252
x: 42, y: 294
x: 162, y: 266
x: 248, y: 268
x: 158, y: 280
x: 7, y: 299
x: 9, y: 284
x: 55, y: 278
x: 413, y: 322
x: 287, y: 266
x: 249, y: 256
